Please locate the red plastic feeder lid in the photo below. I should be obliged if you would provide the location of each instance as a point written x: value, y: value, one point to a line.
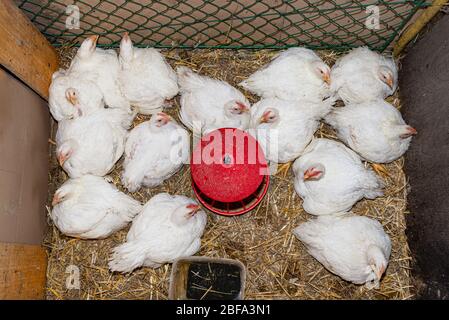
x: 229, y: 171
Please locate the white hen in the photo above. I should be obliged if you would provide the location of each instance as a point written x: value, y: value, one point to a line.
x: 285, y: 128
x: 154, y: 151
x: 363, y: 75
x: 168, y: 227
x: 101, y: 67
x: 146, y: 79
x: 353, y: 247
x: 92, y: 144
x: 91, y: 208
x: 297, y: 73
x: 331, y: 178
x: 374, y: 129
x: 208, y: 104
x: 71, y: 96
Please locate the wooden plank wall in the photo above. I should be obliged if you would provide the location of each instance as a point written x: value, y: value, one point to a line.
x: 24, y: 51
x: 22, y: 271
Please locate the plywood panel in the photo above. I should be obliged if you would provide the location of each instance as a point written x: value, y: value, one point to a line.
x: 24, y: 133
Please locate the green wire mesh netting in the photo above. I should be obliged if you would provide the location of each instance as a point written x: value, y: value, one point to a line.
x: 335, y: 24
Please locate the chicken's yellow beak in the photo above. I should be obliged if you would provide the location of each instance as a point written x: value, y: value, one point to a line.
x: 56, y: 199
x: 194, y: 209
x: 61, y: 159
x: 70, y: 95
x: 94, y: 39
x: 390, y: 82
x: 379, y: 272
x: 311, y: 173
x: 307, y: 175
x: 73, y: 100
x: 410, y: 132
x: 327, y: 78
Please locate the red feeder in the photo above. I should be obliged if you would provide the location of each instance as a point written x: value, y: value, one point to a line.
x: 229, y: 172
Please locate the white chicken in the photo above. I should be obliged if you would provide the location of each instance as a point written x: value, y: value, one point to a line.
x: 168, y: 227
x: 208, y: 104
x: 91, y: 208
x: 92, y: 144
x: 284, y: 128
x: 331, y: 178
x: 101, y: 67
x: 373, y: 129
x: 154, y: 151
x: 71, y: 96
x: 356, y: 248
x: 297, y: 73
x: 146, y: 79
x: 363, y: 75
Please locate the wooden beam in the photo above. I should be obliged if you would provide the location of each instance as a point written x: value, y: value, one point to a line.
x: 412, y: 30
x: 24, y: 51
x: 22, y: 271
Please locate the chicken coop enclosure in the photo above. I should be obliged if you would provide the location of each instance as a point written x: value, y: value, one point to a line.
x: 227, y: 40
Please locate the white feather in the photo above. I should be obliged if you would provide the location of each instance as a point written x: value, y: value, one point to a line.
x: 101, y: 67
x: 372, y: 129
x: 154, y: 153
x: 204, y: 102
x: 92, y: 208
x: 343, y: 244
x: 344, y: 182
x: 145, y: 78
x: 88, y: 93
x: 355, y: 79
x: 97, y: 141
x: 285, y: 139
x: 157, y: 237
x: 291, y: 75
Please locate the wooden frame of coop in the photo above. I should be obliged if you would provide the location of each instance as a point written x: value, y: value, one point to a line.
x: 28, y: 61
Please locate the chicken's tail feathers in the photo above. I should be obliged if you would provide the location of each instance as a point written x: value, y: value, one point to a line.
x: 132, y: 176
x: 310, y: 231
x: 301, y: 231
x: 127, y: 257
x: 305, y: 233
x: 330, y: 100
x: 245, y: 84
x: 373, y: 194
x: 373, y: 186
x: 131, y: 208
x: 121, y: 117
x: 251, y: 84
x: 332, y: 120
x: 297, y: 232
x: 183, y: 71
x: 324, y: 108
x: 187, y: 79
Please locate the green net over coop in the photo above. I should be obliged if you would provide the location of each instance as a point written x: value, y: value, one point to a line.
x: 213, y: 24
x: 250, y: 24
